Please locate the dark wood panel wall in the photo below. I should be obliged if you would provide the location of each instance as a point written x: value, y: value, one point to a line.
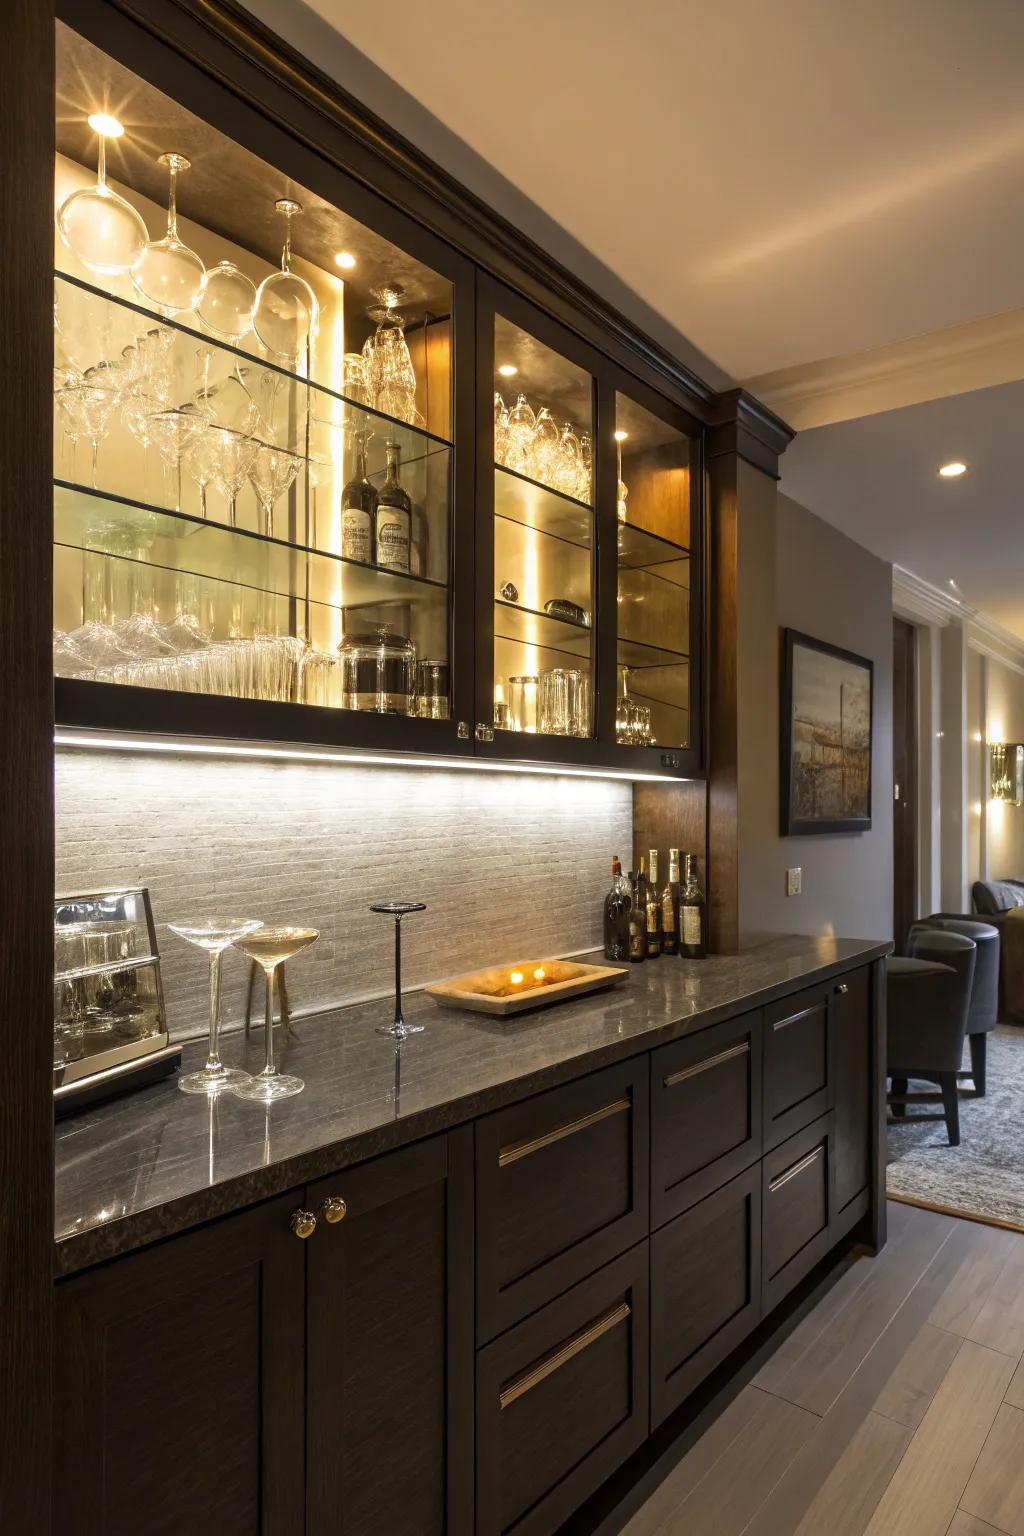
x: 26, y: 764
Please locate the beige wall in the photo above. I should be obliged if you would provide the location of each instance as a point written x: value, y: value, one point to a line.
x: 797, y: 571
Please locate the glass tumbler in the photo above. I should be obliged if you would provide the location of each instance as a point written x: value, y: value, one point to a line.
x: 522, y: 703
x: 563, y: 702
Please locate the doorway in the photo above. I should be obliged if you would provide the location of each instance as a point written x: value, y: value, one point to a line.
x: 904, y: 766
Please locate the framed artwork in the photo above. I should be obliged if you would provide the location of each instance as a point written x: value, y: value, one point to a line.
x: 826, y: 737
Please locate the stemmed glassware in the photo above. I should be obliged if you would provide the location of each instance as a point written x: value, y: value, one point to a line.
x: 215, y: 935
x: 97, y: 225
x: 390, y: 376
x: 234, y: 454
x: 227, y: 302
x: 287, y: 309
x: 400, y: 1029
x: 274, y: 471
x: 269, y: 947
x: 168, y: 273
x: 88, y: 405
x: 174, y: 431
x: 532, y: 444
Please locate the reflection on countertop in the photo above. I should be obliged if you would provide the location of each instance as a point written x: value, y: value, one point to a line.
x: 158, y: 1161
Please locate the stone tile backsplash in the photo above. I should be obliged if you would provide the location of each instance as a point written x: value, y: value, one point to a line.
x: 509, y: 865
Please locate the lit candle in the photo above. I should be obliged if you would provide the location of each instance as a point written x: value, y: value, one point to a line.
x: 538, y: 974
x: 516, y: 978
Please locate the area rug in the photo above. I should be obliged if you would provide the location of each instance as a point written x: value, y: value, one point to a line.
x: 984, y: 1176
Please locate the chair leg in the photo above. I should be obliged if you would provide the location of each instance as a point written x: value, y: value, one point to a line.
x: 951, y: 1106
x: 899, y: 1085
x: 978, y: 1052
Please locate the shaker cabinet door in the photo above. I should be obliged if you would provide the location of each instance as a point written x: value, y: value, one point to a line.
x: 851, y: 1053
x: 178, y: 1383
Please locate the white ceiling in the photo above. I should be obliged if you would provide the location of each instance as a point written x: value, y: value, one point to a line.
x: 782, y: 180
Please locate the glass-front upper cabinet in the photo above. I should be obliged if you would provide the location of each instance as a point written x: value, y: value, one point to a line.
x: 253, y: 416
x: 543, y: 569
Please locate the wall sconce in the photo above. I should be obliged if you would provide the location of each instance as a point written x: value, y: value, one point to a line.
x: 1006, y: 761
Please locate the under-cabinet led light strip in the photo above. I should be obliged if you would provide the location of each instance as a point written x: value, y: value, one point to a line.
x: 187, y: 746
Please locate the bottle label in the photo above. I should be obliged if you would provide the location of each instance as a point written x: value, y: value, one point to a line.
x: 691, y: 925
x: 392, y: 540
x: 637, y: 940
x: 356, y: 535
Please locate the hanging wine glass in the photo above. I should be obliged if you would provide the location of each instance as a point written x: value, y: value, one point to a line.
x: 287, y: 310
x: 390, y: 375
x: 97, y: 225
x: 227, y: 302
x: 168, y: 273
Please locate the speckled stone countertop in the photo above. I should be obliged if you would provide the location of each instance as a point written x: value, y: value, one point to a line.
x: 159, y: 1161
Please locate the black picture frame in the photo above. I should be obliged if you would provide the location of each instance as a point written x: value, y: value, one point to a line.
x: 815, y: 766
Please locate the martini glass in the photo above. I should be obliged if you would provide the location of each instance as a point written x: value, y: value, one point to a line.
x: 168, y: 273
x: 215, y: 935
x: 234, y: 453
x: 174, y: 431
x: 97, y: 225
x: 227, y: 302
x: 287, y: 309
x: 269, y: 947
x: 273, y: 472
x: 401, y: 1028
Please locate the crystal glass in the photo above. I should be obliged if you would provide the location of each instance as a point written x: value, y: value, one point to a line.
x: 274, y: 471
x: 269, y: 947
x: 215, y: 935
x: 287, y: 309
x: 521, y: 423
x: 234, y: 454
x: 522, y: 702
x: 544, y: 446
x: 353, y: 383
x: 390, y: 375
x: 400, y: 1028
x: 563, y: 702
x: 621, y: 489
x: 227, y: 302
x: 168, y: 273
x: 174, y: 431
x: 201, y: 462
x: 88, y: 407
x: 500, y: 429
x: 99, y: 226
x: 567, y: 461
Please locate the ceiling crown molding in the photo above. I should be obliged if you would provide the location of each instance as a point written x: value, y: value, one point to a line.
x: 741, y: 424
x: 921, y: 601
x: 975, y: 355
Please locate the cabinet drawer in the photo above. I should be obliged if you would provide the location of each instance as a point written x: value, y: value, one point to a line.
x: 797, y: 1078
x: 705, y: 1113
x: 796, y: 1202
x: 705, y: 1289
x: 562, y: 1401
x: 561, y: 1188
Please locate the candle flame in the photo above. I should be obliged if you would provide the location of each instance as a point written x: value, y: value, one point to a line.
x: 538, y: 974
x: 516, y: 977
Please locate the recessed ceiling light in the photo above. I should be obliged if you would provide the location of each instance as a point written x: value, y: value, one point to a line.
x: 345, y: 259
x: 508, y: 370
x: 620, y: 436
x: 950, y: 471
x: 109, y: 127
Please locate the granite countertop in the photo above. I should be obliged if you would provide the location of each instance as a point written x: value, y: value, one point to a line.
x: 159, y: 1161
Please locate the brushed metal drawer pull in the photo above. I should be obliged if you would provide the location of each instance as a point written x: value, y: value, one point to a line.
x: 519, y: 1149
x: 520, y: 1385
x: 791, y: 1173
x: 743, y: 1049
x: 794, y: 1018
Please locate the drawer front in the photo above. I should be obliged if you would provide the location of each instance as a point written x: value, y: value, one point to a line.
x: 851, y: 1061
x: 561, y: 1188
x: 796, y: 1203
x: 562, y: 1401
x: 797, y: 1075
x: 705, y: 1113
x: 705, y: 1289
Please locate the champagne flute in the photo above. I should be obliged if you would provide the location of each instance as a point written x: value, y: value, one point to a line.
x: 269, y: 947
x: 168, y: 273
x: 215, y: 935
x: 400, y: 1029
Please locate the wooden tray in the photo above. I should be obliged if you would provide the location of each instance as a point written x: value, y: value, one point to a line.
x: 496, y: 991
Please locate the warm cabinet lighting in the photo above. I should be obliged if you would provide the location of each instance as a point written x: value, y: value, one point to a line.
x: 345, y: 259
x: 508, y: 370
x: 620, y: 436
x: 106, y: 126
x: 950, y: 471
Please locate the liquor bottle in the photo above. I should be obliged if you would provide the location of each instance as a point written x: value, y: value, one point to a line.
x: 670, y: 907
x: 692, y: 914
x: 393, y: 538
x: 616, y: 916
x: 358, y: 505
x: 638, y: 917
x: 653, y: 910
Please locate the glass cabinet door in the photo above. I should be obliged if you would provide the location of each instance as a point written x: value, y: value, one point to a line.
x: 544, y: 543
x: 252, y: 419
x: 655, y: 504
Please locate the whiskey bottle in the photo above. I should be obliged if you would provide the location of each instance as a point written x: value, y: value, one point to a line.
x: 393, y: 534
x: 653, y: 910
x: 670, y: 907
x: 616, y: 916
x: 692, y: 914
x: 638, y: 917
x: 358, y: 505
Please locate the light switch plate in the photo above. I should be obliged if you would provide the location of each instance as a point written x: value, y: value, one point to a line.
x: 793, y: 878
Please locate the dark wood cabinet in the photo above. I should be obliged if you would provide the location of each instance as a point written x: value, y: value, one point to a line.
x: 797, y: 1071
x: 705, y: 1288
x: 851, y: 1066
x: 561, y: 1187
x: 178, y: 1391
x: 705, y: 1113
x: 562, y: 1401
x: 797, y: 1180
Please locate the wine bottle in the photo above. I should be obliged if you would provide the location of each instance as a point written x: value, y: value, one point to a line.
x: 692, y: 914
x: 638, y: 917
x: 616, y: 916
x: 670, y: 907
x: 358, y: 505
x: 393, y: 537
x: 653, y: 910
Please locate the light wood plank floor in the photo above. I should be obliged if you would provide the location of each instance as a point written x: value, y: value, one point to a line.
x: 892, y: 1406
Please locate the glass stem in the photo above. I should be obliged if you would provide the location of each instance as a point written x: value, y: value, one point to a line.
x: 95, y: 455
x: 172, y: 205
x: 398, y: 971
x: 202, y: 499
x: 269, y: 1070
x: 101, y: 164
x: 213, y: 1060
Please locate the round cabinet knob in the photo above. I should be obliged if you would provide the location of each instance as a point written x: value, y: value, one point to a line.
x: 334, y: 1209
x: 842, y: 989
x: 303, y: 1223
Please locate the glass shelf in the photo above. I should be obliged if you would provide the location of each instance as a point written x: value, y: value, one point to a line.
x: 528, y: 627
x: 537, y: 506
x: 637, y: 547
